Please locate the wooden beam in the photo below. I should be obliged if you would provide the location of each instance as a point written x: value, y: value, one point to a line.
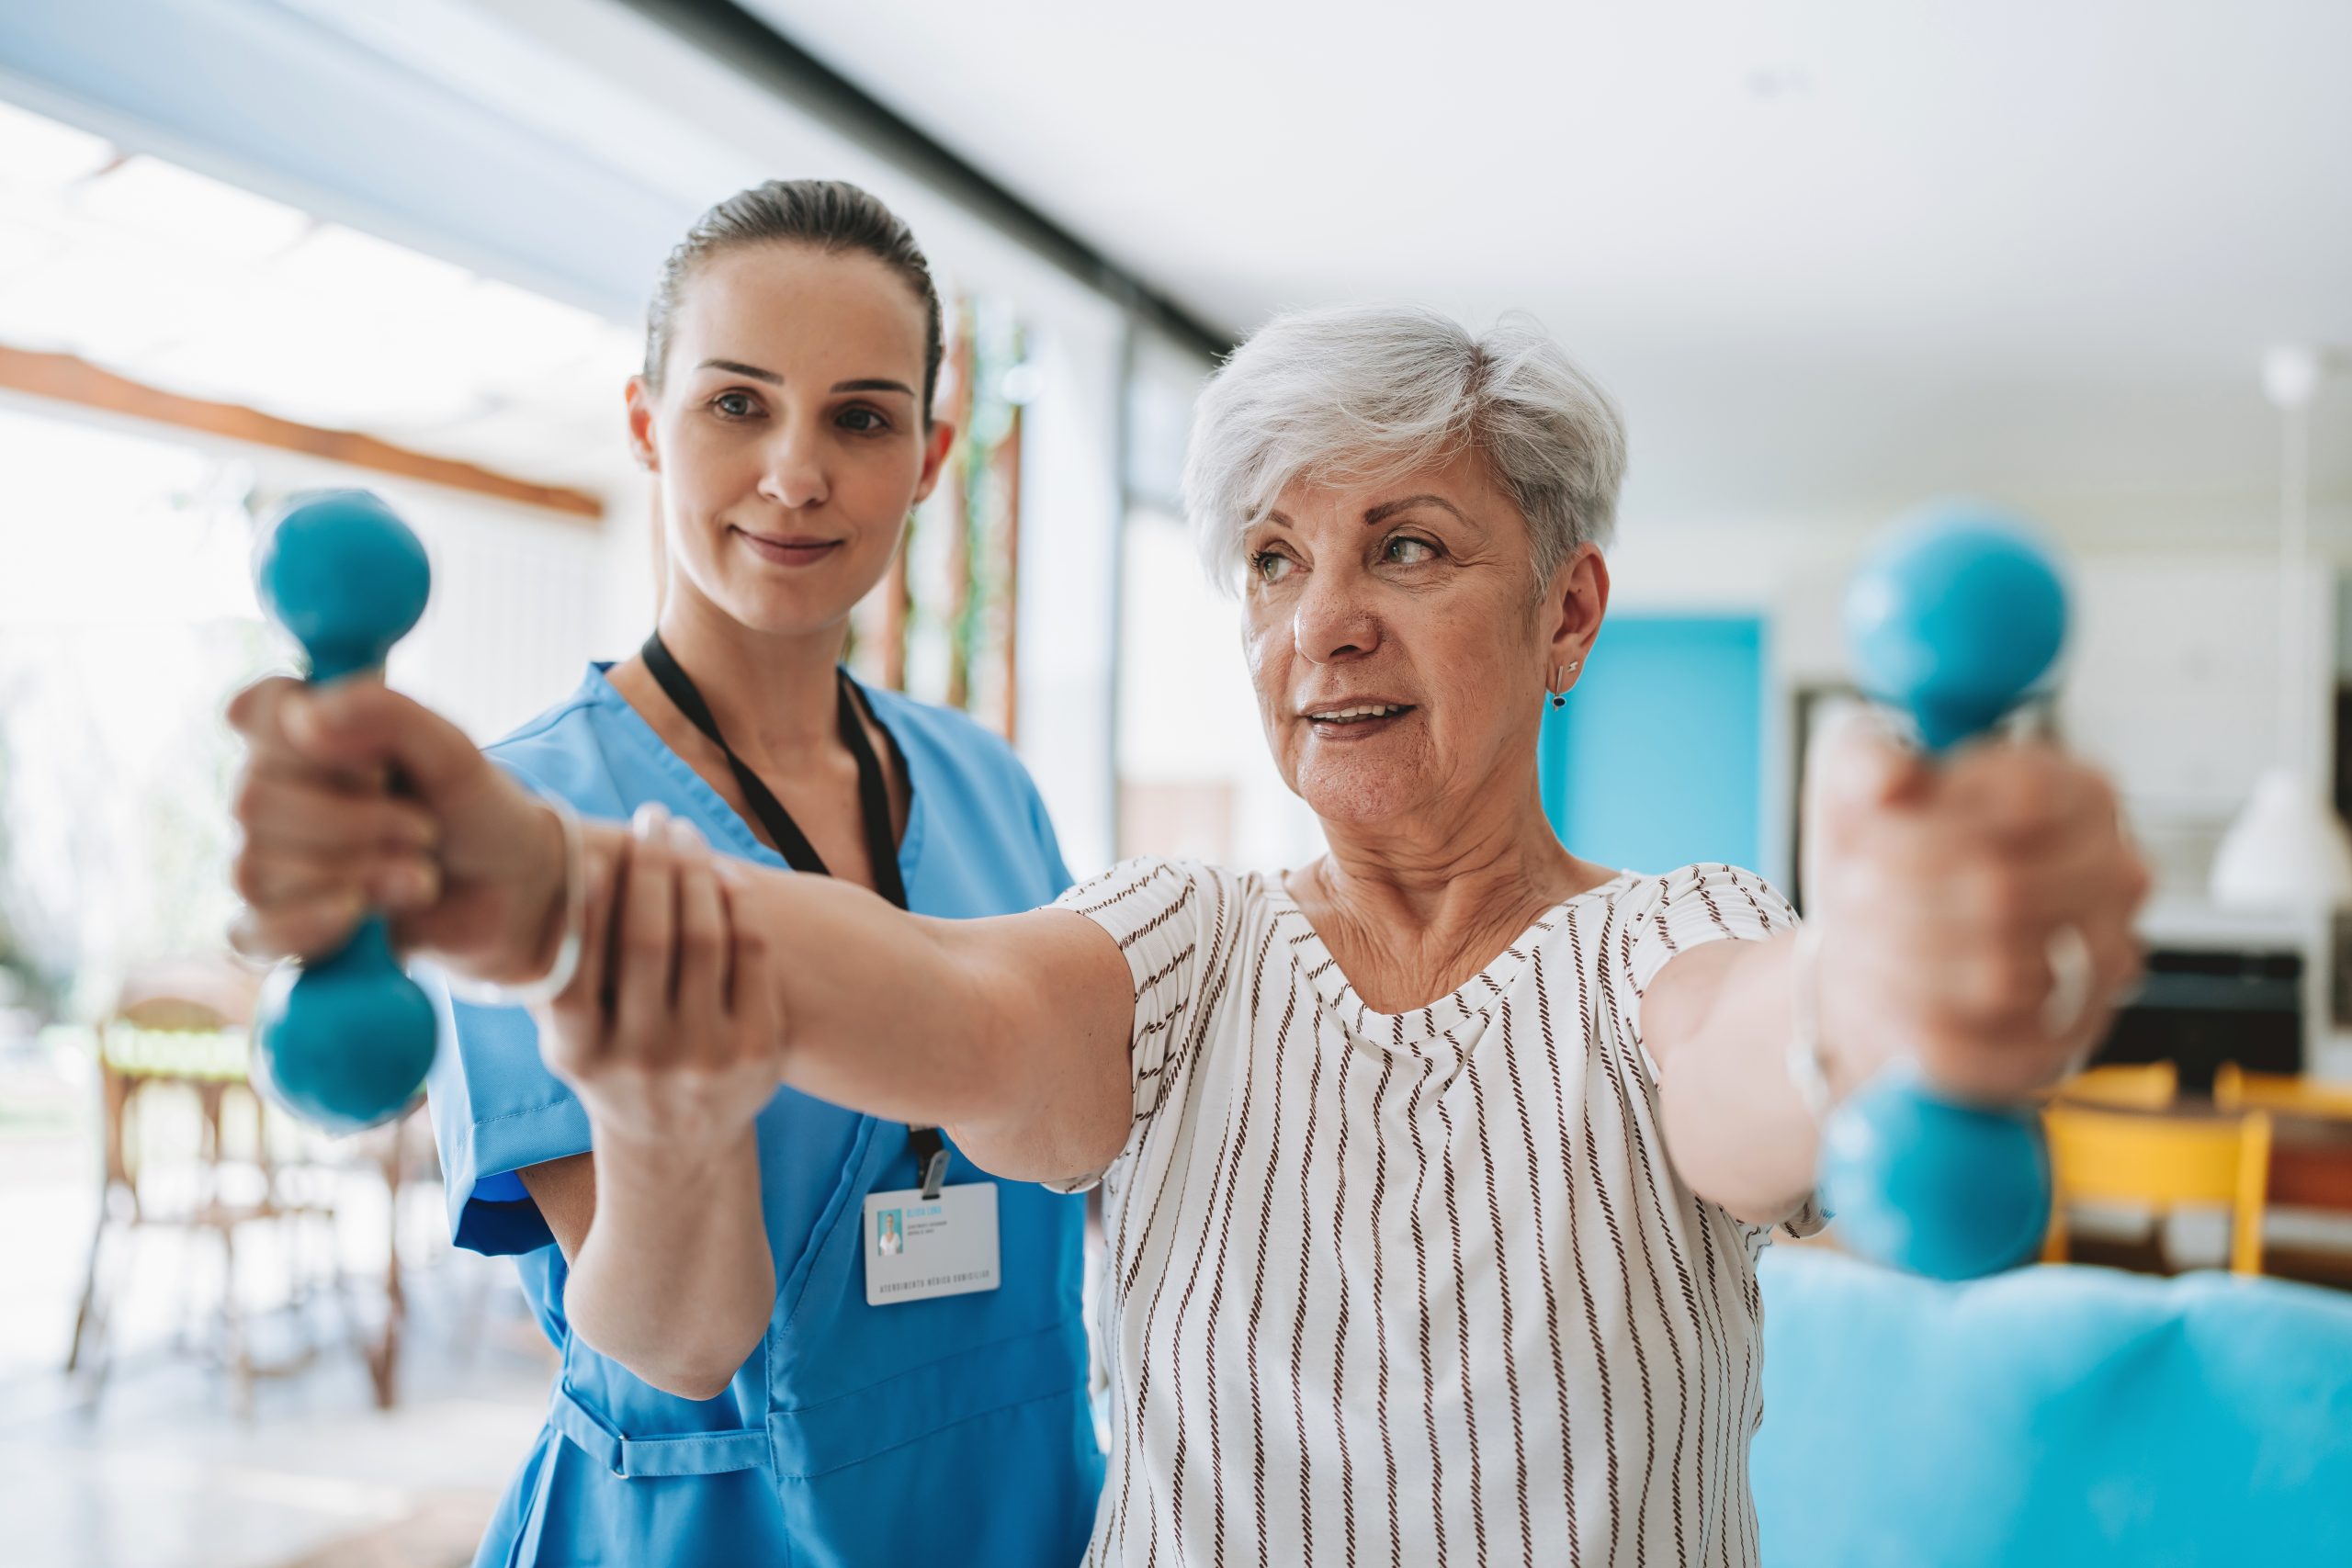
x: 64, y: 379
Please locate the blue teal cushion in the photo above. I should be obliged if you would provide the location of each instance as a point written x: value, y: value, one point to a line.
x: 2054, y: 1415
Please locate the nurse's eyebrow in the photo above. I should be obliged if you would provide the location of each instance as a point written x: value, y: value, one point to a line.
x: 735, y: 367
x: 874, y: 384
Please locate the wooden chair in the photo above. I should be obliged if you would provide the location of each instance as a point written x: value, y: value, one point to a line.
x: 2161, y: 1162
x: 2150, y: 1085
x: 2289, y: 1094
x: 179, y: 1028
x: 2317, y: 1118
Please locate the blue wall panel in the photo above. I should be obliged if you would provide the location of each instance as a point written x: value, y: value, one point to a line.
x: 1657, y: 759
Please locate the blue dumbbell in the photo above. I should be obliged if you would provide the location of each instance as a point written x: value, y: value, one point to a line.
x: 343, y: 1042
x: 1955, y: 618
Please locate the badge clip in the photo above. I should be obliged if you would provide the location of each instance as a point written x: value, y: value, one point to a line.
x: 931, y: 1160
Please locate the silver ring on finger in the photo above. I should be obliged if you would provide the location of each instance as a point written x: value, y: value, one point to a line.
x: 2072, y: 976
x: 248, y: 944
x: 243, y: 937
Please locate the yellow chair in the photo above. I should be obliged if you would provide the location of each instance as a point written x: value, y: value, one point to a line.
x: 2163, y: 1162
x: 2292, y: 1094
x: 2150, y: 1085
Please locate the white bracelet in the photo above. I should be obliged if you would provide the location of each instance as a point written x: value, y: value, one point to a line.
x: 2072, y: 972
x: 1807, y: 1067
x: 532, y: 993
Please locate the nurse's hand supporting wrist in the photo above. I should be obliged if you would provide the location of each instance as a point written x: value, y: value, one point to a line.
x: 669, y: 1033
x: 669, y: 1036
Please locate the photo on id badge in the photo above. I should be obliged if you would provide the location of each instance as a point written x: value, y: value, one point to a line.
x: 920, y: 1244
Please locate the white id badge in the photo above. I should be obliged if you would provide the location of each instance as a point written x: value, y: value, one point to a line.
x: 918, y: 1247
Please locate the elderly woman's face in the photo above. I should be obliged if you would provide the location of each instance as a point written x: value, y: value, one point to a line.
x: 1398, y: 645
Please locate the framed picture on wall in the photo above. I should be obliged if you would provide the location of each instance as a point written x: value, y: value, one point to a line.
x: 1815, y: 707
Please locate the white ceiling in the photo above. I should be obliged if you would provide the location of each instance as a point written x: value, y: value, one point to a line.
x: 1830, y: 256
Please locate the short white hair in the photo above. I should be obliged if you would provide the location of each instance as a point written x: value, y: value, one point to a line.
x: 1364, y: 393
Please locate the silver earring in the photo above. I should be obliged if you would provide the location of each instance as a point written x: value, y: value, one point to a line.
x: 1560, y: 673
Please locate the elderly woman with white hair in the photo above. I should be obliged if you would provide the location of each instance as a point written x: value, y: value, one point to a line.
x: 1435, y: 1171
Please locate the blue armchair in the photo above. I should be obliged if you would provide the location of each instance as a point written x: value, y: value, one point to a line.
x: 2055, y: 1416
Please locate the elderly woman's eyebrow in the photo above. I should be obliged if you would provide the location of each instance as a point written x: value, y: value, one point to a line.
x: 1388, y: 509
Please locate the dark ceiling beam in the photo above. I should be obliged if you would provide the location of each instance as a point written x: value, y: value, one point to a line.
x: 729, y: 33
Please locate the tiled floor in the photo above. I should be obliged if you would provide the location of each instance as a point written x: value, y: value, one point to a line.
x: 163, y: 1479
x: 160, y: 1473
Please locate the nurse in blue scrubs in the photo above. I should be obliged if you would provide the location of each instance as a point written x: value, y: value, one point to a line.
x: 727, y: 1395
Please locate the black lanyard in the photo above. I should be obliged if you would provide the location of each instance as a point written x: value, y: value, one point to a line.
x: 874, y: 800
x: 881, y: 846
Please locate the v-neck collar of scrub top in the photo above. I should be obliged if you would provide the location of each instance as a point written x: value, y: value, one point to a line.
x: 719, y: 821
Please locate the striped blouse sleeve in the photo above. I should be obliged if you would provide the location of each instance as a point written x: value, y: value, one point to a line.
x: 1697, y: 904
x: 1691, y: 908
x: 1154, y: 910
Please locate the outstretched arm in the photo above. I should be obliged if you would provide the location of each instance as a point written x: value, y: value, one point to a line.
x: 1937, y: 894
x: 1009, y: 1032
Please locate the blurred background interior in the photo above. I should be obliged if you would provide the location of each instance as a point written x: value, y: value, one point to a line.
x: 1833, y: 258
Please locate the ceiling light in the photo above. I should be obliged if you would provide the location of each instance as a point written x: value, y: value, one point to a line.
x: 104, y: 303
x: 364, y: 271
x: 519, y: 335
x: 2288, y: 849
x: 24, y: 247
x: 36, y: 153
x: 147, y: 196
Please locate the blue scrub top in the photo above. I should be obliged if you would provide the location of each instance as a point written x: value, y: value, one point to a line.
x: 955, y: 1429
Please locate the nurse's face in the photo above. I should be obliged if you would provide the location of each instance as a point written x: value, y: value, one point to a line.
x: 787, y: 434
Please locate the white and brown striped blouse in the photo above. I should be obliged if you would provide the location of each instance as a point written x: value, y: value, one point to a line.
x: 1420, y: 1288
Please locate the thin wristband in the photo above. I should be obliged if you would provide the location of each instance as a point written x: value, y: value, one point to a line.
x: 1806, y: 1066
x: 549, y: 987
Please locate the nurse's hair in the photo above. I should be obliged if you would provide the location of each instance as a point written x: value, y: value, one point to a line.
x: 1361, y: 394
x: 828, y: 215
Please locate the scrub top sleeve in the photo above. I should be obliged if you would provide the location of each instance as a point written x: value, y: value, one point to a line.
x: 497, y: 1110
x: 1049, y: 847
x: 1154, y: 910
